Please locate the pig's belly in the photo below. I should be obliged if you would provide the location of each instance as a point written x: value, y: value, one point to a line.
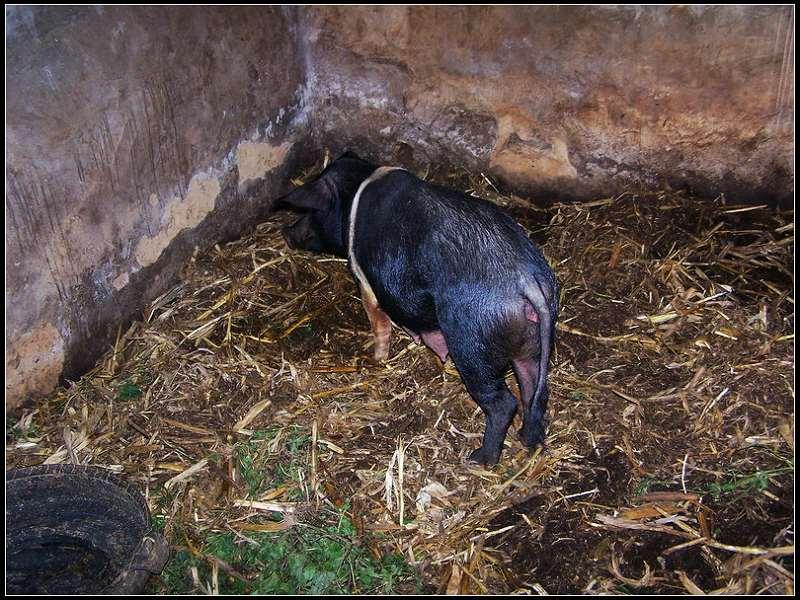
x: 414, y: 311
x: 417, y: 316
x: 410, y: 306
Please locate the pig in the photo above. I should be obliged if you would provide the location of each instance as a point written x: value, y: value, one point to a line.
x: 455, y: 271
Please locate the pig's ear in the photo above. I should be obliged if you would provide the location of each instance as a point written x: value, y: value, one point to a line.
x: 350, y: 154
x: 317, y: 195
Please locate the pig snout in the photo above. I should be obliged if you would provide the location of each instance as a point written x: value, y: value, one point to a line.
x: 299, y: 235
x: 291, y: 239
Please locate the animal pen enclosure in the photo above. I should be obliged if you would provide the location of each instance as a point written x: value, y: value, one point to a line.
x: 158, y: 326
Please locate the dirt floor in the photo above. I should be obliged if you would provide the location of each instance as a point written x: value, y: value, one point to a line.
x: 278, y: 457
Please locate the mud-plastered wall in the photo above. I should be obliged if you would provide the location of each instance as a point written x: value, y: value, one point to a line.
x: 132, y: 135
x: 566, y: 101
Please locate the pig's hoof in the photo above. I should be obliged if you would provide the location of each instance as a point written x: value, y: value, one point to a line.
x: 378, y: 359
x: 532, y: 436
x: 482, y: 457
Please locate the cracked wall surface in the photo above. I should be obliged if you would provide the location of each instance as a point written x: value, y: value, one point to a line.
x: 135, y: 134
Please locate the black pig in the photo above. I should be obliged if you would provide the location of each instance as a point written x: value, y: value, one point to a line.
x: 455, y: 271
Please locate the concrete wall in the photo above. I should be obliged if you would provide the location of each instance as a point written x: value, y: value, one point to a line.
x: 134, y: 134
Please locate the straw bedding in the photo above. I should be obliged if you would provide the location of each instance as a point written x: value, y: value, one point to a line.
x: 669, y: 459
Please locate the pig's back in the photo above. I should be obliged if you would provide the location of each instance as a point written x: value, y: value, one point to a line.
x: 444, y: 224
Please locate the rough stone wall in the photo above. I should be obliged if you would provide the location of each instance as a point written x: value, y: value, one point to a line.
x: 569, y: 101
x: 131, y: 130
x: 134, y: 134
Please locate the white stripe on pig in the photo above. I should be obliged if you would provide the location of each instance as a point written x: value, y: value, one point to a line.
x: 362, y: 279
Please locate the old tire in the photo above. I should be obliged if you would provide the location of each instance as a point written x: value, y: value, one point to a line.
x: 73, y: 529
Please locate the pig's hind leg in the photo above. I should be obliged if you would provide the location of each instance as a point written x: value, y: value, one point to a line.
x: 533, y: 415
x: 483, y: 375
x: 489, y: 390
x: 380, y: 322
